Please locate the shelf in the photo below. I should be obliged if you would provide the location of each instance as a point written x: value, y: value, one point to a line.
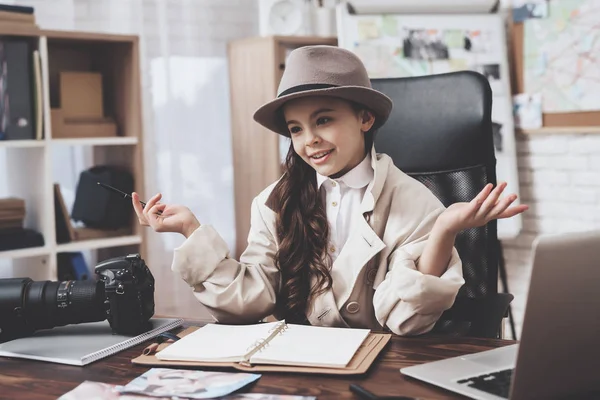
x: 21, y: 143
x: 99, y: 243
x: 561, y: 129
x: 24, y: 253
x: 101, y: 141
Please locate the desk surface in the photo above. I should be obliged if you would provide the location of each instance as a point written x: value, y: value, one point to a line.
x: 41, y: 380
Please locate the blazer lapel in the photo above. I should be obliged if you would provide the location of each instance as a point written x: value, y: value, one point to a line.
x: 362, y: 245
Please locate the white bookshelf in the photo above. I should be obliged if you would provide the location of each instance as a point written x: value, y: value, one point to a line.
x: 95, y: 244
x: 117, y: 141
x: 21, y: 144
x: 25, y: 253
x: 32, y: 163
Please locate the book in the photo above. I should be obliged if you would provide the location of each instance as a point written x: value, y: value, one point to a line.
x: 276, y: 343
x: 80, y: 344
x: 16, y: 90
x: 17, y: 17
x: 360, y: 363
x: 39, y: 102
x: 16, y: 9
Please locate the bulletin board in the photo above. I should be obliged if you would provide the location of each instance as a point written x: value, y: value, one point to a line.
x: 559, y: 57
x: 400, y: 45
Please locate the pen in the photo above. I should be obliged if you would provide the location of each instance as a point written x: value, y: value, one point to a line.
x: 365, y: 394
x: 125, y: 195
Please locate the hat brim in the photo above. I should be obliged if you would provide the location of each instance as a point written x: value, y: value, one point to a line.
x: 270, y: 117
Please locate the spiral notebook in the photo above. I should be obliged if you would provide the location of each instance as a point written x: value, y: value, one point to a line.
x: 80, y: 344
x: 275, y: 346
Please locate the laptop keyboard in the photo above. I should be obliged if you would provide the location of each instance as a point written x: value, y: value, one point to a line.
x: 497, y: 383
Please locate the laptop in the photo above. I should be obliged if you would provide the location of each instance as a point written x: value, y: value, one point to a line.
x: 558, y: 355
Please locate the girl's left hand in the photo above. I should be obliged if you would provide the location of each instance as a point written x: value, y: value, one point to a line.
x: 486, y: 206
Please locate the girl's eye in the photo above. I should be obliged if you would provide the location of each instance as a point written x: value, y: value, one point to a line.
x: 323, y: 120
x: 295, y: 129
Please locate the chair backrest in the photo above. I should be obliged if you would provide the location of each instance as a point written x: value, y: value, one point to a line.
x: 440, y: 133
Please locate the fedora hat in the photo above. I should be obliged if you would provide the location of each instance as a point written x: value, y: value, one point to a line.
x: 323, y: 71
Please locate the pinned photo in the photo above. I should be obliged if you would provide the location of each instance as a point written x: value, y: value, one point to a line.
x: 478, y: 41
x: 425, y: 44
x: 529, y: 9
x: 497, y: 136
x: 527, y: 109
x: 490, y: 71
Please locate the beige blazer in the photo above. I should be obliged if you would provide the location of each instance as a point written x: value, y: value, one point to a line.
x: 380, y: 285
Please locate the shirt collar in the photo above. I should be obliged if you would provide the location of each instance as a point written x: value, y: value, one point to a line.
x: 357, y: 178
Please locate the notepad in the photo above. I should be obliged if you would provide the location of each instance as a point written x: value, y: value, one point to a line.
x: 275, y: 343
x: 80, y: 344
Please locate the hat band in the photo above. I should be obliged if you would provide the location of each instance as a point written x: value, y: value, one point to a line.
x: 305, y: 88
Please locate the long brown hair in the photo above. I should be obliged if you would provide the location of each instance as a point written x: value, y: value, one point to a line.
x: 303, y: 234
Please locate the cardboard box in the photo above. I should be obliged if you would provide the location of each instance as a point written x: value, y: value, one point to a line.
x: 63, y: 128
x: 81, y: 94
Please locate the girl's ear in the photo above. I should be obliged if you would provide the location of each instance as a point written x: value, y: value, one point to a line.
x: 367, y: 120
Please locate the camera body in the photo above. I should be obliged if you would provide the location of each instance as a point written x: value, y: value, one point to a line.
x: 123, y: 294
x: 129, y: 288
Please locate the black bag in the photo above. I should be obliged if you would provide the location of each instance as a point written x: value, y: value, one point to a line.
x: 99, y: 208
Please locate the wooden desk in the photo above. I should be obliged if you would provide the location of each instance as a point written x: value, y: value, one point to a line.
x: 41, y: 380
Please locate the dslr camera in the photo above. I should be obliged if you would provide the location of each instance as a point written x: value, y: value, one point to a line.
x: 123, y: 294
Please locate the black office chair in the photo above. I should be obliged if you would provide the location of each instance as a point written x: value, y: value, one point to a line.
x: 440, y: 133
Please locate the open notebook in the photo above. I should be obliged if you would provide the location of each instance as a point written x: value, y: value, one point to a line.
x: 268, y: 343
x: 80, y: 344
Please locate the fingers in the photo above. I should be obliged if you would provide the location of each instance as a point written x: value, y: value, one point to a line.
x: 511, y: 212
x: 477, y: 202
x: 139, y: 210
x: 492, y: 199
x: 151, y: 203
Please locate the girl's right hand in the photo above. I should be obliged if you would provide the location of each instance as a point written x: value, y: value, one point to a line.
x: 163, y: 217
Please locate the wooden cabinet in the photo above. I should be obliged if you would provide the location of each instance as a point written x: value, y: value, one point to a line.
x: 255, y: 69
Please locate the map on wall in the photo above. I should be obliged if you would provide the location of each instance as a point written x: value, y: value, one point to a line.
x: 562, y: 56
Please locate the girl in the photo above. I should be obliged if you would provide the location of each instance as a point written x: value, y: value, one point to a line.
x: 344, y: 238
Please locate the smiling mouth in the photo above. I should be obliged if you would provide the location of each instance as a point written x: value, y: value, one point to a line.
x: 321, y: 154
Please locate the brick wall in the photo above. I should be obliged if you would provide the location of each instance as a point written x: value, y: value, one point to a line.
x: 560, y: 179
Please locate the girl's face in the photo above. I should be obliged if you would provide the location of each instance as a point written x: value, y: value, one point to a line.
x: 327, y: 133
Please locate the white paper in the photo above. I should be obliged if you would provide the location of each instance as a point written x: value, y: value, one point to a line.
x: 296, y: 345
x: 312, y: 346
x: 215, y: 342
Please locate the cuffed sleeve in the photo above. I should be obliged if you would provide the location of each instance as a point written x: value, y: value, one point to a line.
x: 408, y: 301
x: 233, y: 291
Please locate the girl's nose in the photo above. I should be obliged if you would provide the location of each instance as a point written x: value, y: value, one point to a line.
x: 311, y: 138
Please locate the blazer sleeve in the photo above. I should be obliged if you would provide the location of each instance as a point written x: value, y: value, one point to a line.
x: 408, y: 301
x: 234, y: 292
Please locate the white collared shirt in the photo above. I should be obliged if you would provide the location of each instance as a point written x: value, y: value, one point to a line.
x: 342, y: 198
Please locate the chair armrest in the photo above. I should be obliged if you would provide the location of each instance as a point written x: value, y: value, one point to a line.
x: 484, y: 314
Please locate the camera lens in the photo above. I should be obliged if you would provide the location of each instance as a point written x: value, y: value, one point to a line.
x: 48, y: 304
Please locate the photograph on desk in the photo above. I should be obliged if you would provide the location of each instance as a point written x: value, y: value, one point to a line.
x: 191, y: 384
x: 105, y: 391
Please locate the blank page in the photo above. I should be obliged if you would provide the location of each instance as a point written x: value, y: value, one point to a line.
x: 313, y: 346
x: 216, y: 343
